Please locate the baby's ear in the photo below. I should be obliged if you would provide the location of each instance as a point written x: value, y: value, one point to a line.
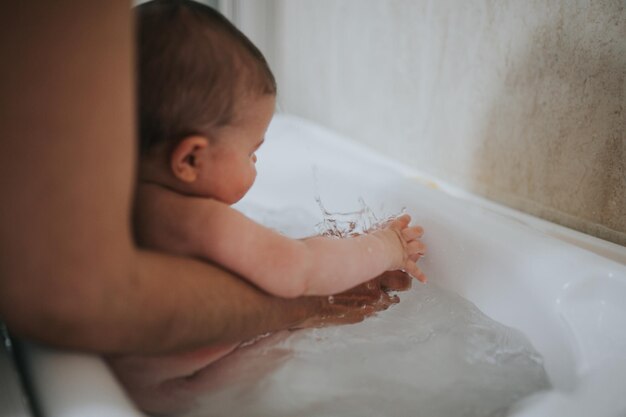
x: 186, y: 157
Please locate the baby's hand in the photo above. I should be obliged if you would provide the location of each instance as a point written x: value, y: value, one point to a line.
x: 412, y: 248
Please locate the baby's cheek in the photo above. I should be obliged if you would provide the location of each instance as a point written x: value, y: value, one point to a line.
x: 252, y: 177
x: 248, y: 181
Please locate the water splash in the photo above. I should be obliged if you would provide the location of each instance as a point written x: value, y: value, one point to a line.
x: 352, y: 223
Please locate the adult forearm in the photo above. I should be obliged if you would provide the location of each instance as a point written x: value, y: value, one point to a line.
x: 192, y: 303
x: 161, y: 303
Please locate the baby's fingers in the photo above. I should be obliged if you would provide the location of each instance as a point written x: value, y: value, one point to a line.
x: 415, y: 257
x: 415, y: 247
x: 412, y: 233
x: 415, y: 272
x: 401, y: 222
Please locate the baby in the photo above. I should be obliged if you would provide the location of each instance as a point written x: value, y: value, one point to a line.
x: 206, y: 98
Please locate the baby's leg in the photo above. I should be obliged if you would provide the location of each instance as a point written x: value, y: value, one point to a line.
x: 161, y: 384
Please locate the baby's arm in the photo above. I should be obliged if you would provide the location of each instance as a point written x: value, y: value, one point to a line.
x: 280, y: 265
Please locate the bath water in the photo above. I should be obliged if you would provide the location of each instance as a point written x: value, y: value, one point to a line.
x: 434, y: 354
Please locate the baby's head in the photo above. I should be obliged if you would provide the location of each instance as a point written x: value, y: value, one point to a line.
x: 205, y: 98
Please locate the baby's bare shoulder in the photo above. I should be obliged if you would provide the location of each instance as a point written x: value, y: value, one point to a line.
x: 168, y: 220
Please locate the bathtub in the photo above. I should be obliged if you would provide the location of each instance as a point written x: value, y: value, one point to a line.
x: 564, y: 290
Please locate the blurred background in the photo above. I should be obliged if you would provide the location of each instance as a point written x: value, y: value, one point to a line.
x: 522, y: 102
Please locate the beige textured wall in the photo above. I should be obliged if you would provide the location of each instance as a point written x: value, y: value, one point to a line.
x: 520, y: 101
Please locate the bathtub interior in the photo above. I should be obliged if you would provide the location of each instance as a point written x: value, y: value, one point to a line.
x: 551, y: 283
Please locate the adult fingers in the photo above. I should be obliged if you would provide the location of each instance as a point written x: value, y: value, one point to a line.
x: 395, y: 281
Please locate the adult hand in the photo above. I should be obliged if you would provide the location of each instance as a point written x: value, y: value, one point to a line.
x: 358, y: 303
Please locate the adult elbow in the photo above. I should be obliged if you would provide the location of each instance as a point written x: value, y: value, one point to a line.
x: 65, y: 310
x: 46, y: 321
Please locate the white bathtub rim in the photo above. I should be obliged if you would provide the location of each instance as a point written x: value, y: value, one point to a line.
x: 601, y: 247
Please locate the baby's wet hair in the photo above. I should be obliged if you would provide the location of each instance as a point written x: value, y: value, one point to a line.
x: 194, y: 66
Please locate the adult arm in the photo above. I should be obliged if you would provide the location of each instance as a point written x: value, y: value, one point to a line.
x: 70, y: 273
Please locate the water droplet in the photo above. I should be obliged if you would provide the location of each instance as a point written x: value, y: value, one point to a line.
x: 331, y: 299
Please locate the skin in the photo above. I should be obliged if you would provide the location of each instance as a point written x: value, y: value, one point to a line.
x: 182, y: 206
x: 166, y: 384
x: 71, y: 274
x: 203, y: 176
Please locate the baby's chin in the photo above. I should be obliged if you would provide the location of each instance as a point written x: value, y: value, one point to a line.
x: 226, y: 199
x: 231, y: 201
x: 232, y: 196
x: 229, y: 196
